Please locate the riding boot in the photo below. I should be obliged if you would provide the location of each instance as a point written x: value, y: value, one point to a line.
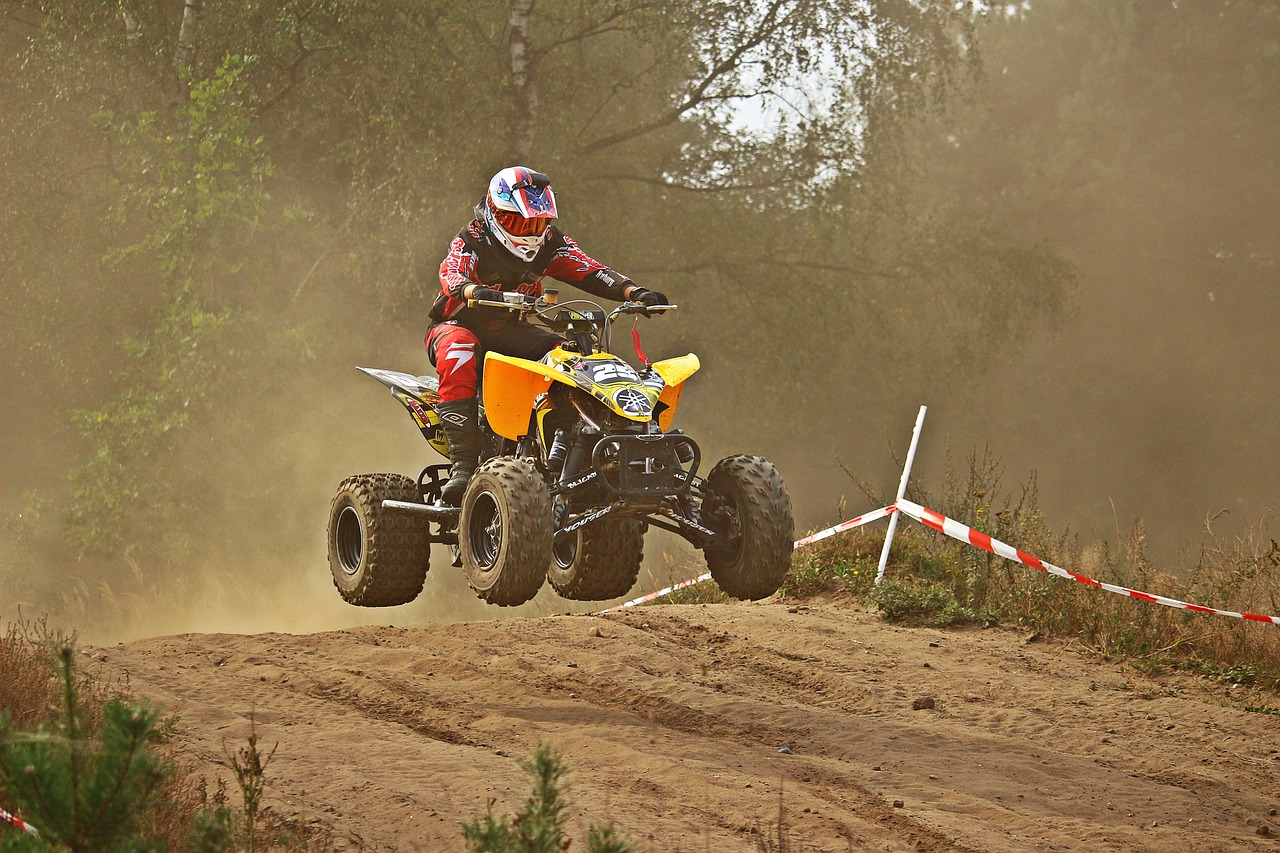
x: 462, y: 429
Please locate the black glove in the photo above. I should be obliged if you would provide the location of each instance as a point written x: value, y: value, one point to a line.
x: 487, y: 293
x: 648, y: 297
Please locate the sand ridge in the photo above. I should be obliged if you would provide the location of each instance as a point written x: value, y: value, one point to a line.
x: 671, y: 720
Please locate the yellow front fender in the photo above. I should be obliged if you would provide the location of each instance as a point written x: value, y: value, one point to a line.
x: 674, y: 371
x: 510, y: 387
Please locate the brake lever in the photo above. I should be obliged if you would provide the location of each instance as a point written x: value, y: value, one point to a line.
x: 522, y: 306
x: 642, y: 309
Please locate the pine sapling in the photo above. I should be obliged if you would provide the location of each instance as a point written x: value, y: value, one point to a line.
x: 539, y: 826
x: 85, y: 791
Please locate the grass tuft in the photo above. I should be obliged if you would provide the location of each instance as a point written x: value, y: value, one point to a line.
x: 92, y: 769
x: 934, y: 580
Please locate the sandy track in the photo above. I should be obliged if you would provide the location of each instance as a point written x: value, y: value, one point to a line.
x: 671, y: 720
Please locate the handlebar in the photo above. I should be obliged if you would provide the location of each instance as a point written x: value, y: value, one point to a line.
x: 513, y: 301
x: 640, y: 308
x: 526, y: 304
x: 562, y: 319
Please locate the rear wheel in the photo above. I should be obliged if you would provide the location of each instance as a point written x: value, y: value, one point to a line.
x: 378, y: 557
x: 505, y: 532
x: 599, y: 561
x: 747, y: 503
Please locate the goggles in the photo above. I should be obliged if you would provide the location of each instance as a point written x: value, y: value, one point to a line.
x: 519, y: 226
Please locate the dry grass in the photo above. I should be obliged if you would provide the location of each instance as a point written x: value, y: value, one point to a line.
x: 31, y: 695
x: 946, y: 581
x: 28, y: 689
x: 682, y: 565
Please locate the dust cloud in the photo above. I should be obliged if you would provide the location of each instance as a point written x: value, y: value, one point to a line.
x: 1151, y: 401
x: 1154, y: 397
x: 1139, y: 143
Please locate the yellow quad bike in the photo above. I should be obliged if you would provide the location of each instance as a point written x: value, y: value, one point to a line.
x: 579, y: 459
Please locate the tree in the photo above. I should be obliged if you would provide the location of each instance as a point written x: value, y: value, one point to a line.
x: 1137, y: 136
x: 284, y: 216
x: 84, y: 791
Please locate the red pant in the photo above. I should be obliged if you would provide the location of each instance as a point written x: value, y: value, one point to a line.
x: 457, y: 353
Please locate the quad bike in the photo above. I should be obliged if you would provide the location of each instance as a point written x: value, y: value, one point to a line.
x: 579, y: 459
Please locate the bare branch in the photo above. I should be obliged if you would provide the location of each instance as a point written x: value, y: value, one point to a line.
x: 592, y: 30
x: 676, y: 185
x: 768, y: 25
x: 871, y: 271
x: 346, y: 223
x: 617, y: 87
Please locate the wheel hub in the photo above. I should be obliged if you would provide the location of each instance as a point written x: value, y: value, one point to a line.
x: 349, y: 539
x: 486, y: 530
x: 566, y: 548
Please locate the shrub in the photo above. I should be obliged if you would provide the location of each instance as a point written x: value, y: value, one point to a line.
x: 84, y: 791
x: 539, y: 826
x: 928, y: 604
x: 86, y: 766
x: 935, y: 580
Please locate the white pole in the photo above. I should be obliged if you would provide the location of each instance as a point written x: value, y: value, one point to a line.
x: 902, y: 493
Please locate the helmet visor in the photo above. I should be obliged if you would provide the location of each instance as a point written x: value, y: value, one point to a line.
x: 520, y: 226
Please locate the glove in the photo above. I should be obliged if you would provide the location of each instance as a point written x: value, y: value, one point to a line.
x: 487, y: 293
x: 648, y: 297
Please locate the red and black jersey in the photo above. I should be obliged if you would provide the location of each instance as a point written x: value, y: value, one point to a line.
x: 475, y: 258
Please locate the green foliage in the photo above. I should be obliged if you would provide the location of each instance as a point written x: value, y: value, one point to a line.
x: 1131, y: 134
x: 84, y: 791
x: 86, y: 766
x: 115, y: 493
x: 937, y: 581
x: 280, y: 206
x: 539, y: 826
x: 190, y: 179
x: 707, y: 592
x: 842, y: 564
x: 212, y: 830
x: 927, y: 603
x: 189, y: 183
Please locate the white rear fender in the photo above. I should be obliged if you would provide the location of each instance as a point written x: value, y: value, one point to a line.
x: 425, y: 388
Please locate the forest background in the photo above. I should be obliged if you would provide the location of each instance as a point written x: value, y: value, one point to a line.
x: 1055, y: 223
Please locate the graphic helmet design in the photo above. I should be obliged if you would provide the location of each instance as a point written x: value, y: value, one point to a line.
x: 517, y: 210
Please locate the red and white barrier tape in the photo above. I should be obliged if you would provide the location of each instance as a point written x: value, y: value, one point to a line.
x: 18, y: 822
x: 978, y: 539
x: 865, y: 518
x: 659, y: 594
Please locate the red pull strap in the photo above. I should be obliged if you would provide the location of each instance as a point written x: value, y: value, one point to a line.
x: 635, y: 338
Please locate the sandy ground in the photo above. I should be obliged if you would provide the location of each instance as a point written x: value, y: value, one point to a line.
x: 671, y: 720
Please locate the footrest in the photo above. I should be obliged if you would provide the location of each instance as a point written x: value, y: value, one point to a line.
x: 433, y: 511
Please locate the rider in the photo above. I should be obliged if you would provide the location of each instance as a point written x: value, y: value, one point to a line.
x: 509, y: 246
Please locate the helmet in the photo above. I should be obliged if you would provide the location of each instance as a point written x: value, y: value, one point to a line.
x: 517, y: 210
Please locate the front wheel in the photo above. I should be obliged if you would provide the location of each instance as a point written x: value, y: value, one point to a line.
x: 505, y: 531
x: 378, y: 557
x: 747, y: 503
x: 599, y: 561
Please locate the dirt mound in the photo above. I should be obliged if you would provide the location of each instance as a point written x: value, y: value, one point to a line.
x: 688, y: 725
